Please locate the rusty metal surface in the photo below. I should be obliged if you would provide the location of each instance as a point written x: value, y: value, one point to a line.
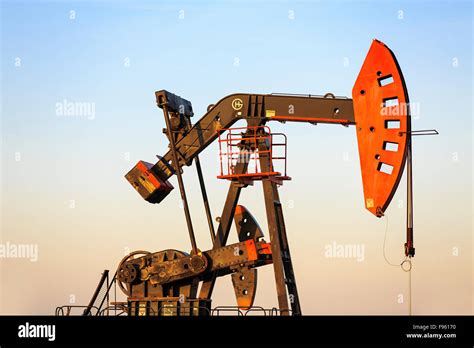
x: 256, y: 109
x: 285, y: 279
x: 166, y: 283
x: 158, y: 273
x: 244, y: 280
x: 246, y: 225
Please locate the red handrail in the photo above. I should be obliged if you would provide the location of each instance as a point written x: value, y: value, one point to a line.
x: 253, y: 136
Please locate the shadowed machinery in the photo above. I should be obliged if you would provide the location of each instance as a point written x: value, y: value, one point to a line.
x: 172, y: 282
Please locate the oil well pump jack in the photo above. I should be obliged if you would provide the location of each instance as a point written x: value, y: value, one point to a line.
x: 172, y: 282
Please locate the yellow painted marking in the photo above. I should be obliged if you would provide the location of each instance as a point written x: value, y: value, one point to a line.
x: 270, y: 113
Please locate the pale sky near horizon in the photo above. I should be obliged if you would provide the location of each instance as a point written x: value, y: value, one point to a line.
x: 62, y: 177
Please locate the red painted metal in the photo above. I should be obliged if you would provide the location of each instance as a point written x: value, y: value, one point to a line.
x: 380, y: 99
x: 147, y: 183
x: 251, y: 250
x: 231, y: 152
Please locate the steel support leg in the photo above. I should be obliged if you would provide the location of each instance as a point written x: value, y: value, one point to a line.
x: 282, y: 265
x: 223, y: 230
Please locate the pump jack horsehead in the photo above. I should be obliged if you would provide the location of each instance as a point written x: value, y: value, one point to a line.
x: 167, y: 282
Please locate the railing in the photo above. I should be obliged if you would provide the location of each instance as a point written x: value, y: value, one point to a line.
x: 67, y: 309
x: 190, y: 310
x: 122, y: 308
x: 164, y: 308
x: 246, y: 311
x: 118, y: 309
x: 99, y: 299
x: 102, y: 289
x: 248, y: 145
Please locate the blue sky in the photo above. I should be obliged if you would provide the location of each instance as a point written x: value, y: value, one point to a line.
x: 83, y: 59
